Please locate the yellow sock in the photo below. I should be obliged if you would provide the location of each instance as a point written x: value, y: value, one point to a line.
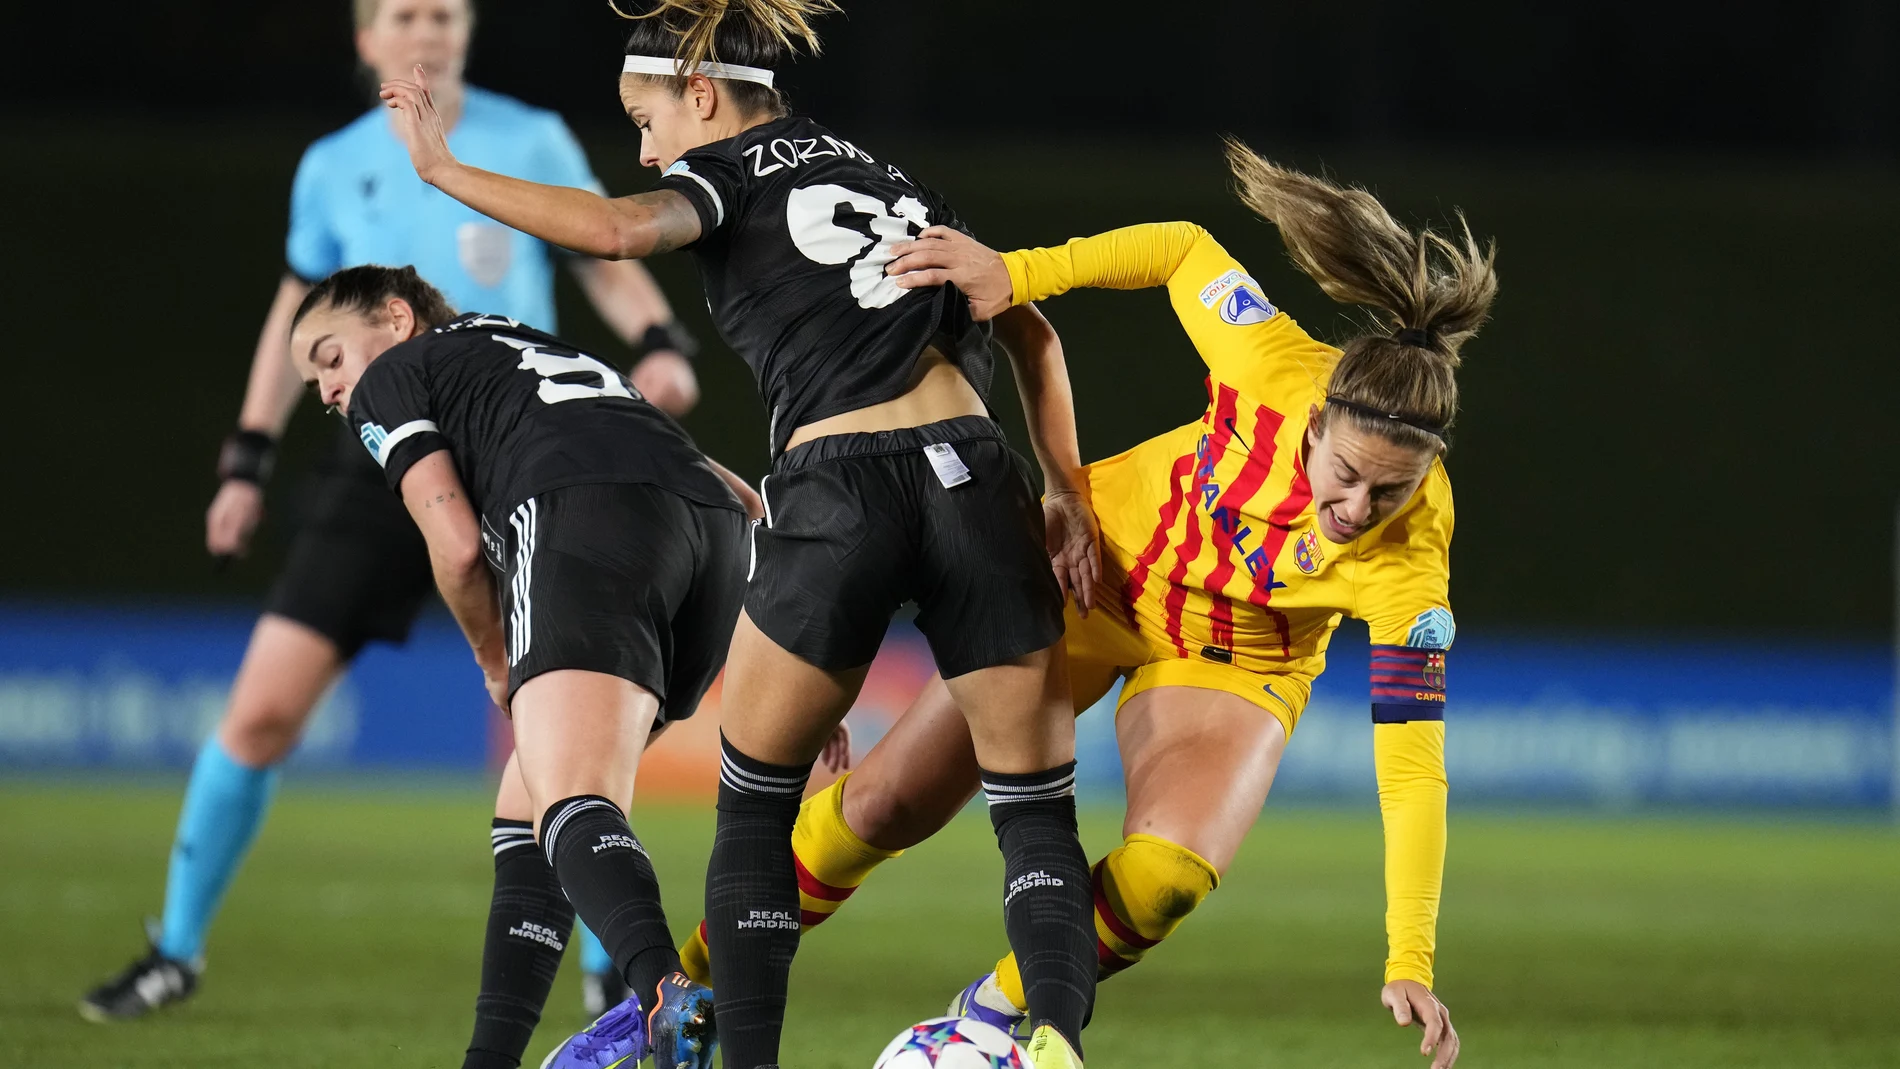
x: 695, y: 958
x: 1144, y: 889
x: 832, y: 861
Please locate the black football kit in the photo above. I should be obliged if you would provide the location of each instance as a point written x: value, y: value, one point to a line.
x: 796, y: 229
x: 620, y: 549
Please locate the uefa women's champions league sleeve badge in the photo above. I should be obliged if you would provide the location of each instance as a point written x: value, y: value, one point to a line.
x: 1433, y: 629
x: 1239, y: 299
x: 373, y: 436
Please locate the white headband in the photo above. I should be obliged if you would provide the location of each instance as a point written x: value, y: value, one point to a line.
x: 673, y: 68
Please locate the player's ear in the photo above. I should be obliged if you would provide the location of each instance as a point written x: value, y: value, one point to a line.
x: 402, y: 318
x: 702, y: 96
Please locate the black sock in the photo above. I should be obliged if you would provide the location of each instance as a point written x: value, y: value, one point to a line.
x: 752, y: 912
x: 609, y: 878
x: 1048, y: 903
x: 528, y: 924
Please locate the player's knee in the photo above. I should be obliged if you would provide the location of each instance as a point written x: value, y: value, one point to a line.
x: 260, y: 732
x: 1157, y: 882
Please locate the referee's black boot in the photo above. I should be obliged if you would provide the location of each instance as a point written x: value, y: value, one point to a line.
x: 150, y: 983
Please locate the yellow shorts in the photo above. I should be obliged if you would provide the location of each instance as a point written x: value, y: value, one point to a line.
x: 1102, y: 647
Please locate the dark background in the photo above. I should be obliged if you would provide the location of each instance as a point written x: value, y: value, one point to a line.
x: 1680, y: 419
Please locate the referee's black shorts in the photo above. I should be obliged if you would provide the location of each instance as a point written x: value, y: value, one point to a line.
x: 627, y: 579
x: 358, y: 570
x: 944, y: 515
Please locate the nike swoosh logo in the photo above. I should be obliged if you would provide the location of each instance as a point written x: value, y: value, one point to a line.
x: 1269, y: 689
x: 1235, y: 431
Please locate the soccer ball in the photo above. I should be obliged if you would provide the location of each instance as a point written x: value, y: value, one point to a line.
x: 952, y: 1043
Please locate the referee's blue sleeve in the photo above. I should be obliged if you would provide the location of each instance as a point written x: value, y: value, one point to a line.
x: 311, y: 249
x: 565, y: 162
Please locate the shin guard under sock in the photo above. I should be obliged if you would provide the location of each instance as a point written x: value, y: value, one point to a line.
x: 529, y: 921
x: 752, y: 913
x: 609, y: 878
x: 1046, y: 898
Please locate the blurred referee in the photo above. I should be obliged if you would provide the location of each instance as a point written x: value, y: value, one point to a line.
x: 358, y: 570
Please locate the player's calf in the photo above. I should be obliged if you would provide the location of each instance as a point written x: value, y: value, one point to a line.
x: 752, y: 904
x: 831, y: 860
x: 529, y: 924
x: 1046, y: 898
x: 607, y: 875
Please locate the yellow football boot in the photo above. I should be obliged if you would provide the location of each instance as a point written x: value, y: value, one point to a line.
x: 1047, y: 1049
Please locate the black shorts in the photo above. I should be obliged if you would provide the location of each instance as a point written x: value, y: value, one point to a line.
x: 358, y: 570
x: 858, y: 524
x: 627, y: 579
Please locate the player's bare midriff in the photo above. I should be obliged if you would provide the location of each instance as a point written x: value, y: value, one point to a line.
x: 938, y: 391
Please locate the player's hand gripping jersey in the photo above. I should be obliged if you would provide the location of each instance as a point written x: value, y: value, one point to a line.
x: 522, y: 413
x: 1226, y: 582
x: 796, y: 227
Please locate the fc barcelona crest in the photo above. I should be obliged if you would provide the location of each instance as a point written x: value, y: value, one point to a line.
x: 1435, y: 670
x: 1306, y: 553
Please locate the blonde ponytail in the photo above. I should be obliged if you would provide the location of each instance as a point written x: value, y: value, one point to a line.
x: 1429, y: 293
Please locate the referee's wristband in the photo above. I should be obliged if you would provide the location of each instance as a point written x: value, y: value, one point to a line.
x: 248, y: 456
x: 669, y: 337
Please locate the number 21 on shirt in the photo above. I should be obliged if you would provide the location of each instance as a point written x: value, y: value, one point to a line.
x: 811, y: 213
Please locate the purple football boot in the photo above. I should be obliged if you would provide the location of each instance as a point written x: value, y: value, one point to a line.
x: 617, y: 1040
x: 984, y: 1001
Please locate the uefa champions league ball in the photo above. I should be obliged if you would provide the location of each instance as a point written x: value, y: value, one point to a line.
x: 952, y: 1043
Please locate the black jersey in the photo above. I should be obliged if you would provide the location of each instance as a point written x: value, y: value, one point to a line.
x: 522, y: 413
x: 796, y: 228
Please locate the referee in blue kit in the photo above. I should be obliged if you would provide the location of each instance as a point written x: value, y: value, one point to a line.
x: 357, y: 570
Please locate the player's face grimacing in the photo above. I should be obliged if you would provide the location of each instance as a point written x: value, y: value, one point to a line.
x: 332, y: 347
x: 1358, y: 479
x: 431, y: 34
x: 672, y: 125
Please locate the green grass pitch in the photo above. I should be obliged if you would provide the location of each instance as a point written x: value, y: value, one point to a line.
x: 353, y: 936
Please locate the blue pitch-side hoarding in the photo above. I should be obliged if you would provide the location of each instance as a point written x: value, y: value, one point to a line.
x: 1604, y: 723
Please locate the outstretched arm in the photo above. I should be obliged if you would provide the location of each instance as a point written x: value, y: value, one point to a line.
x: 1410, y: 761
x: 1401, y: 594
x: 1134, y: 257
x: 1237, y: 331
x: 620, y: 228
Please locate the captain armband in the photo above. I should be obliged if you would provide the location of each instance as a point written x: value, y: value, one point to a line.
x: 1408, y: 684
x: 665, y: 337
x: 248, y: 456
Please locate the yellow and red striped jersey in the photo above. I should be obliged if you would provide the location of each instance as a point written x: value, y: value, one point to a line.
x: 1210, y: 529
